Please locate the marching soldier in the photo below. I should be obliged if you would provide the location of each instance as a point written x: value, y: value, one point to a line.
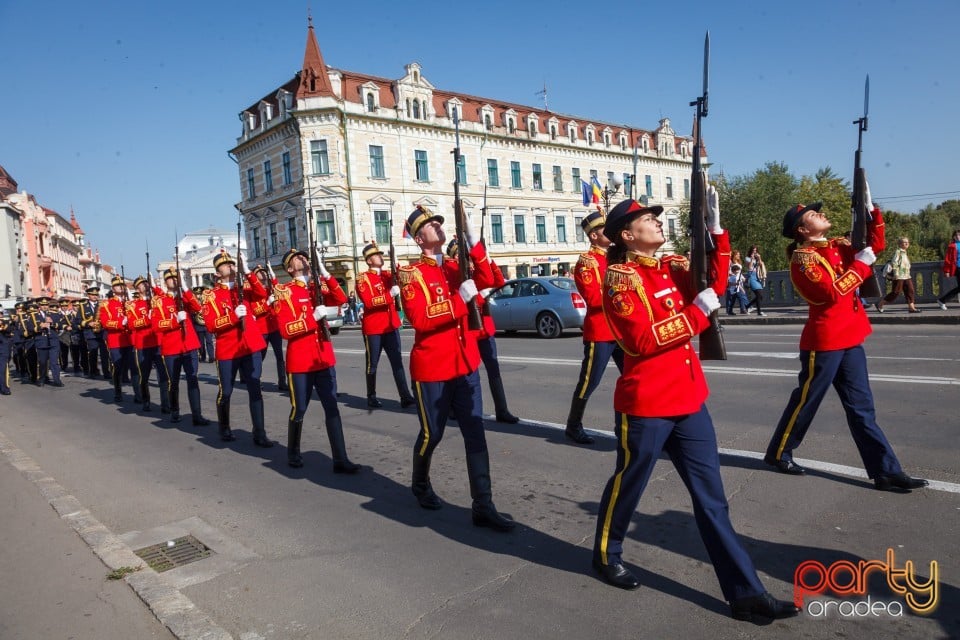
x: 74, y: 335
x: 444, y: 361
x: 267, y: 320
x: 28, y: 330
x: 64, y: 334
x: 6, y: 346
x: 239, y: 345
x: 310, y: 358
x: 488, y: 344
x: 146, y: 342
x: 113, y: 319
x: 381, y: 325
x: 17, y: 343
x: 47, y: 323
x: 204, y: 337
x: 598, y: 343
x: 89, y: 322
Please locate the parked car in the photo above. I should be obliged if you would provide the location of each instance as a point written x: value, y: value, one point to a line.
x: 545, y: 305
x: 335, y: 319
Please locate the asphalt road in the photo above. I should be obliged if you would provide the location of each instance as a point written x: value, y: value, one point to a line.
x: 354, y: 557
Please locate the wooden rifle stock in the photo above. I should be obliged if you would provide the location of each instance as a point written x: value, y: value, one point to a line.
x: 317, y: 288
x: 474, y: 321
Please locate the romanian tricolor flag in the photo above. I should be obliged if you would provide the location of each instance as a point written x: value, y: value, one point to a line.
x: 597, y: 190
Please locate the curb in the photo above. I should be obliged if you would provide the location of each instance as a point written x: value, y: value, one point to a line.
x: 174, y: 610
x: 794, y: 316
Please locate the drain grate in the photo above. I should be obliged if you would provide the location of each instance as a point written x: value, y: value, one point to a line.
x: 165, y: 556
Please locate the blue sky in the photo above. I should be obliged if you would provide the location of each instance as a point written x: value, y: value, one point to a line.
x: 125, y: 110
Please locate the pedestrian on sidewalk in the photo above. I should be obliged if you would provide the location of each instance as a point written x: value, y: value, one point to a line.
x: 951, y: 268
x: 735, y: 290
x: 827, y: 274
x: 898, y: 272
x: 756, y: 278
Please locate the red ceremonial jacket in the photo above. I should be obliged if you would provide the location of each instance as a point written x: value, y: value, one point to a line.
x: 648, y: 304
x: 307, y: 349
x: 825, y: 274
x: 138, y: 322
x: 262, y: 311
x: 489, y: 328
x: 173, y: 341
x: 444, y: 347
x: 112, y: 313
x: 236, y: 337
x: 950, y: 260
x: 379, y: 311
x: 588, y: 274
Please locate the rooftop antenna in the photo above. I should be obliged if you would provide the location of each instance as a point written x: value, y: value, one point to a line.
x: 543, y: 94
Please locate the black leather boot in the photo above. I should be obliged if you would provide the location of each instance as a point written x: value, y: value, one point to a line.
x: 338, y: 448
x: 406, y: 398
x: 223, y: 420
x: 193, y: 395
x: 574, y: 430
x: 294, y: 429
x: 117, y: 388
x: 484, y: 513
x: 164, y: 398
x: 175, y: 404
x: 259, y: 431
x: 145, y: 395
x: 500, y: 402
x: 372, y: 400
x: 421, y: 487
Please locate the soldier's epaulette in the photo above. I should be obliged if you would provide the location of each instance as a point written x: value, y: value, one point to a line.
x: 588, y: 259
x: 156, y: 302
x: 406, y: 274
x: 208, y: 296
x: 805, y: 256
x: 621, y: 277
x: 281, y: 292
x: 842, y: 241
x: 676, y: 263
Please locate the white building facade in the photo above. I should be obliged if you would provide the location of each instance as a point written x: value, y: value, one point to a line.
x: 197, y: 249
x: 360, y: 152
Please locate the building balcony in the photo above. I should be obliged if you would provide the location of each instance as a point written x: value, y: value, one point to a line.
x: 45, y: 261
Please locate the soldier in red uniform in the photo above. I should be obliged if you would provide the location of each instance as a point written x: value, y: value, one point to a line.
x: 310, y: 358
x: 378, y: 291
x: 146, y: 343
x: 654, y: 311
x: 598, y: 343
x: 239, y: 345
x: 267, y: 321
x: 170, y: 315
x: 113, y: 319
x: 827, y: 274
x: 444, y: 361
x: 487, y: 344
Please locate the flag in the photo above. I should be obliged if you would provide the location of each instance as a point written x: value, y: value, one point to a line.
x: 597, y: 190
x: 585, y: 189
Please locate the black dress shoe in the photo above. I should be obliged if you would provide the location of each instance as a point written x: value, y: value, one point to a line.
x: 264, y: 443
x: 788, y: 467
x: 146, y: 406
x: 373, y: 402
x: 617, y: 575
x: 175, y: 416
x: 164, y: 409
x: 200, y: 421
x: 579, y: 436
x: 407, y: 402
x: 898, y: 481
x: 507, y: 418
x: 345, y: 467
x: 487, y: 516
x: 763, y: 606
x: 56, y: 384
x: 4, y: 392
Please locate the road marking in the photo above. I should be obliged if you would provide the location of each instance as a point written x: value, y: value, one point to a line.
x: 827, y: 467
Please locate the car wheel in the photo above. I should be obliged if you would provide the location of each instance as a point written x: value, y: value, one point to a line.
x: 548, y: 326
x: 334, y: 331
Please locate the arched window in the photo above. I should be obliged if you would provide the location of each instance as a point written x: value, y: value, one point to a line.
x: 416, y: 109
x: 487, y: 121
x: 511, y: 125
x: 371, y: 105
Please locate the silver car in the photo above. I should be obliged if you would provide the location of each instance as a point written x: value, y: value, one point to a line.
x: 545, y: 305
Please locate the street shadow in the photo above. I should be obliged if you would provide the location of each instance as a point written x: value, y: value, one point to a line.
x: 739, y: 462
x: 532, y: 335
x: 359, y: 403
x: 547, y: 434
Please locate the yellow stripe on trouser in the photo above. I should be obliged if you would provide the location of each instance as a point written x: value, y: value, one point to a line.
x: 803, y: 400
x: 423, y: 420
x: 366, y: 344
x: 136, y: 356
x: 615, y: 491
x: 293, y: 396
x: 586, y: 375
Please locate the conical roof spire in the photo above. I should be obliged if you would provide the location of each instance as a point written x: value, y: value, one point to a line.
x: 314, y: 80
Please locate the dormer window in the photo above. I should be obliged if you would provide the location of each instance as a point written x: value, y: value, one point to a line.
x: 623, y: 141
x: 645, y: 144
x: 572, y: 132
x: 454, y: 109
x: 416, y: 76
x: 553, y: 132
x: 487, y: 122
x: 589, y: 137
x: 250, y: 120
x: 371, y: 103
x: 511, y: 125
x: 416, y: 109
x: 532, y: 128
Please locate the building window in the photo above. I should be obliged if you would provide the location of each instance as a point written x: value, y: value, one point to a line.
x: 267, y: 176
x: 609, y: 177
x: 646, y: 145
x: 487, y: 122
x: 381, y: 227
x: 686, y: 188
x: 623, y: 143
x: 273, y: 239
x: 532, y: 128
x: 371, y: 105
x: 589, y: 137
x: 292, y: 232
x: 287, y: 173
x: 557, y: 178
x: 541, y: 228
x: 496, y: 228
x: 326, y: 229
x: 628, y: 185
x: 669, y: 188
x: 572, y: 132
x: 649, y: 185
x: 561, y: 228
x: 256, y: 242
x: 553, y: 132
x: 376, y: 162
x: 318, y: 153
x: 251, y: 186
x: 519, y: 228
x: 423, y: 169
x: 537, y: 177
x: 672, y: 229
x: 578, y: 229
x: 462, y: 170
x: 575, y: 173
x: 511, y: 125
x: 606, y: 139
x: 515, y: 175
x: 416, y: 109
x: 493, y: 175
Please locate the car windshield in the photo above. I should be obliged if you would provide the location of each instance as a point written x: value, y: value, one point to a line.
x: 563, y: 283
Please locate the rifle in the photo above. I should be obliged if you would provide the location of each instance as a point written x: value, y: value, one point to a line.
x: 483, y: 214
x: 393, y: 261
x: 315, y: 274
x: 179, y: 295
x: 267, y: 260
x: 149, y: 275
x: 869, y: 288
x: 712, y: 346
x: 474, y: 321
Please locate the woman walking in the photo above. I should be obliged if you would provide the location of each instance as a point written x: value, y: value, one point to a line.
x: 756, y: 278
x: 899, y: 273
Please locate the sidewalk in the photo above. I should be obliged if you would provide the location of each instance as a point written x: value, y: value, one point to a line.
x: 892, y: 314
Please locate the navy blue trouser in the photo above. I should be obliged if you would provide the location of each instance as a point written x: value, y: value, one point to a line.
x: 596, y: 355
x: 5, y: 368
x: 49, y: 357
x: 249, y: 367
x: 846, y: 370
x: 302, y: 384
x: 460, y: 396
x: 122, y: 359
x: 488, y: 353
x: 275, y: 340
x: 377, y: 343
x: 149, y: 358
x: 188, y: 363
x: 691, y: 443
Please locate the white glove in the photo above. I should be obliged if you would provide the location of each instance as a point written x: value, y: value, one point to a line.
x: 468, y: 290
x: 319, y: 312
x: 241, y: 310
x: 394, y: 291
x: 866, y: 256
x: 707, y: 301
x: 183, y: 283
x: 485, y: 293
x: 124, y: 321
x: 181, y: 316
x: 271, y: 299
x: 713, y: 210
x: 473, y: 237
x: 270, y: 272
x: 322, y: 268
x: 150, y: 280
x: 868, y: 197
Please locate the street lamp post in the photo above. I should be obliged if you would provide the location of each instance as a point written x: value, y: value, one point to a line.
x: 610, y: 190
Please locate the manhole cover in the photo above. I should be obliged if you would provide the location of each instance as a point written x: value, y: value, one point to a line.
x: 174, y: 553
